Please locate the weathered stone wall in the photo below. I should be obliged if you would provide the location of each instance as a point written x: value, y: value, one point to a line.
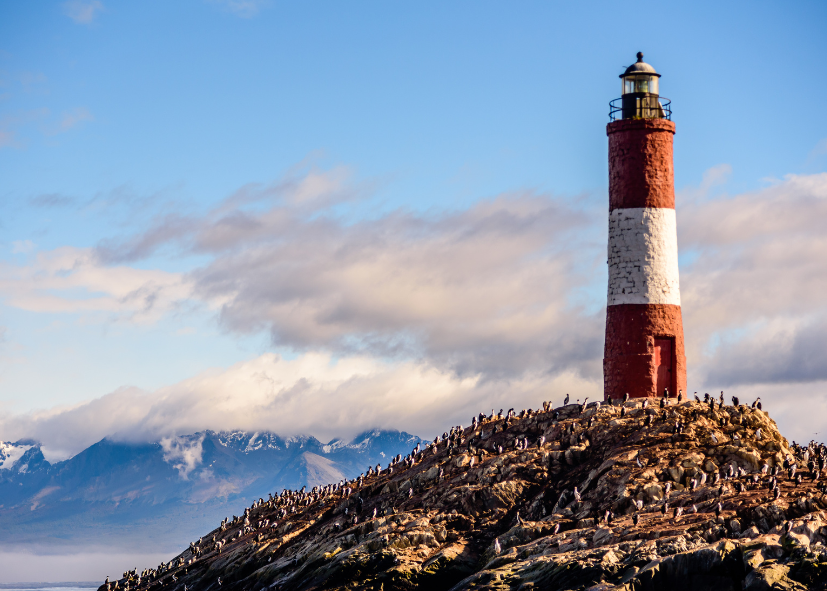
x: 628, y: 358
x: 643, y: 257
x: 640, y: 163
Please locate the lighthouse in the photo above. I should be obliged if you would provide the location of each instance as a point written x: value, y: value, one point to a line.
x: 644, y: 350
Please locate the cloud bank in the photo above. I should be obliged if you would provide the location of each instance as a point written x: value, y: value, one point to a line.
x: 312, y: 393
x: 417, y: 320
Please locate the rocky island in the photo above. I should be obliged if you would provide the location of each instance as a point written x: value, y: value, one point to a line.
x: 638, y: 495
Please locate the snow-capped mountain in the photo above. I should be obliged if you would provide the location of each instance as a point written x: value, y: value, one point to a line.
x: 171, y: 488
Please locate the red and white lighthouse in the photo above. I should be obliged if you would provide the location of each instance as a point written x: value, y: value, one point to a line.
x: 644, y: 352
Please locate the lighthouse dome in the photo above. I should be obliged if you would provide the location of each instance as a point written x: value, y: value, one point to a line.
x: 640, y: 67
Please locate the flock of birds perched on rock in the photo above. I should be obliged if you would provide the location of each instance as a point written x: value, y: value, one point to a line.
x: 691, y: 489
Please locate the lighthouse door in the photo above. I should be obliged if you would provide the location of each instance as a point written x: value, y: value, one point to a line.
x: 663, y: 366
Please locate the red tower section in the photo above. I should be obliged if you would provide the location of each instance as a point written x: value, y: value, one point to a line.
x: 644, y: 349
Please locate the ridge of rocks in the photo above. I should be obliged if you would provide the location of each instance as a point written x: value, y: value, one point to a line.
x: 605, y: 497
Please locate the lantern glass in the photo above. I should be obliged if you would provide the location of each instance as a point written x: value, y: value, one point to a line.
x: 640, y: 83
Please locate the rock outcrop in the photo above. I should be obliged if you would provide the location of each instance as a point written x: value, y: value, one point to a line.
x: 690, y: 496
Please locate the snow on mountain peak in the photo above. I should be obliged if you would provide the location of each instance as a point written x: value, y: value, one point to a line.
x: 10, y: 453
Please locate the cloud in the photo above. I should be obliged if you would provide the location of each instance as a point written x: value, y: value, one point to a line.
x: 313, y: 394
x: 508, y: 285
x: 487, y: 289
x: 22, y: 246
x: 69, y: 280
x: 82, y: 12
x: 753, y: 297
x: 183, y: 452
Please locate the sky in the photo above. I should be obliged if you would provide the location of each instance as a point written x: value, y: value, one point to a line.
x: 324, y: 217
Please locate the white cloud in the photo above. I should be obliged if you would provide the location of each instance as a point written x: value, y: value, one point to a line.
x: 490, y: 289
x: 70, y: 280
x: 183, y: 452
x: 311, y: 394
x: 82, y: 12
x: 753, y: 297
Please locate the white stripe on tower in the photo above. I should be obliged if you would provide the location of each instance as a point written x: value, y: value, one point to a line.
x: 643, y: 256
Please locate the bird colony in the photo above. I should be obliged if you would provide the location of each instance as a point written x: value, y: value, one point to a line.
x: 638, y: 494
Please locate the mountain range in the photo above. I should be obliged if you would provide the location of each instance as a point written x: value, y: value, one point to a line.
x: 166, y: 492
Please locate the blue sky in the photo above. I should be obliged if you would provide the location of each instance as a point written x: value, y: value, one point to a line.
x: 130, y: 132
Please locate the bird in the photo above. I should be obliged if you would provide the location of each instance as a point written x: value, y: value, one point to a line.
x: 623, y: 412
x: 735, y: 401
x: 635, y: 518
x: 696, y: 397
x: 566, y: 400
x: 759, y: 434
x: 219, y: 581
x: 718, y: 509
x: 519, y: 521
x: 664, y: 508
x: 576, y: 495
x: 626, y: 397
x: 678, y: 512
x: 497, y: 547
x: 645, y: 403
x: 556, y: 528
